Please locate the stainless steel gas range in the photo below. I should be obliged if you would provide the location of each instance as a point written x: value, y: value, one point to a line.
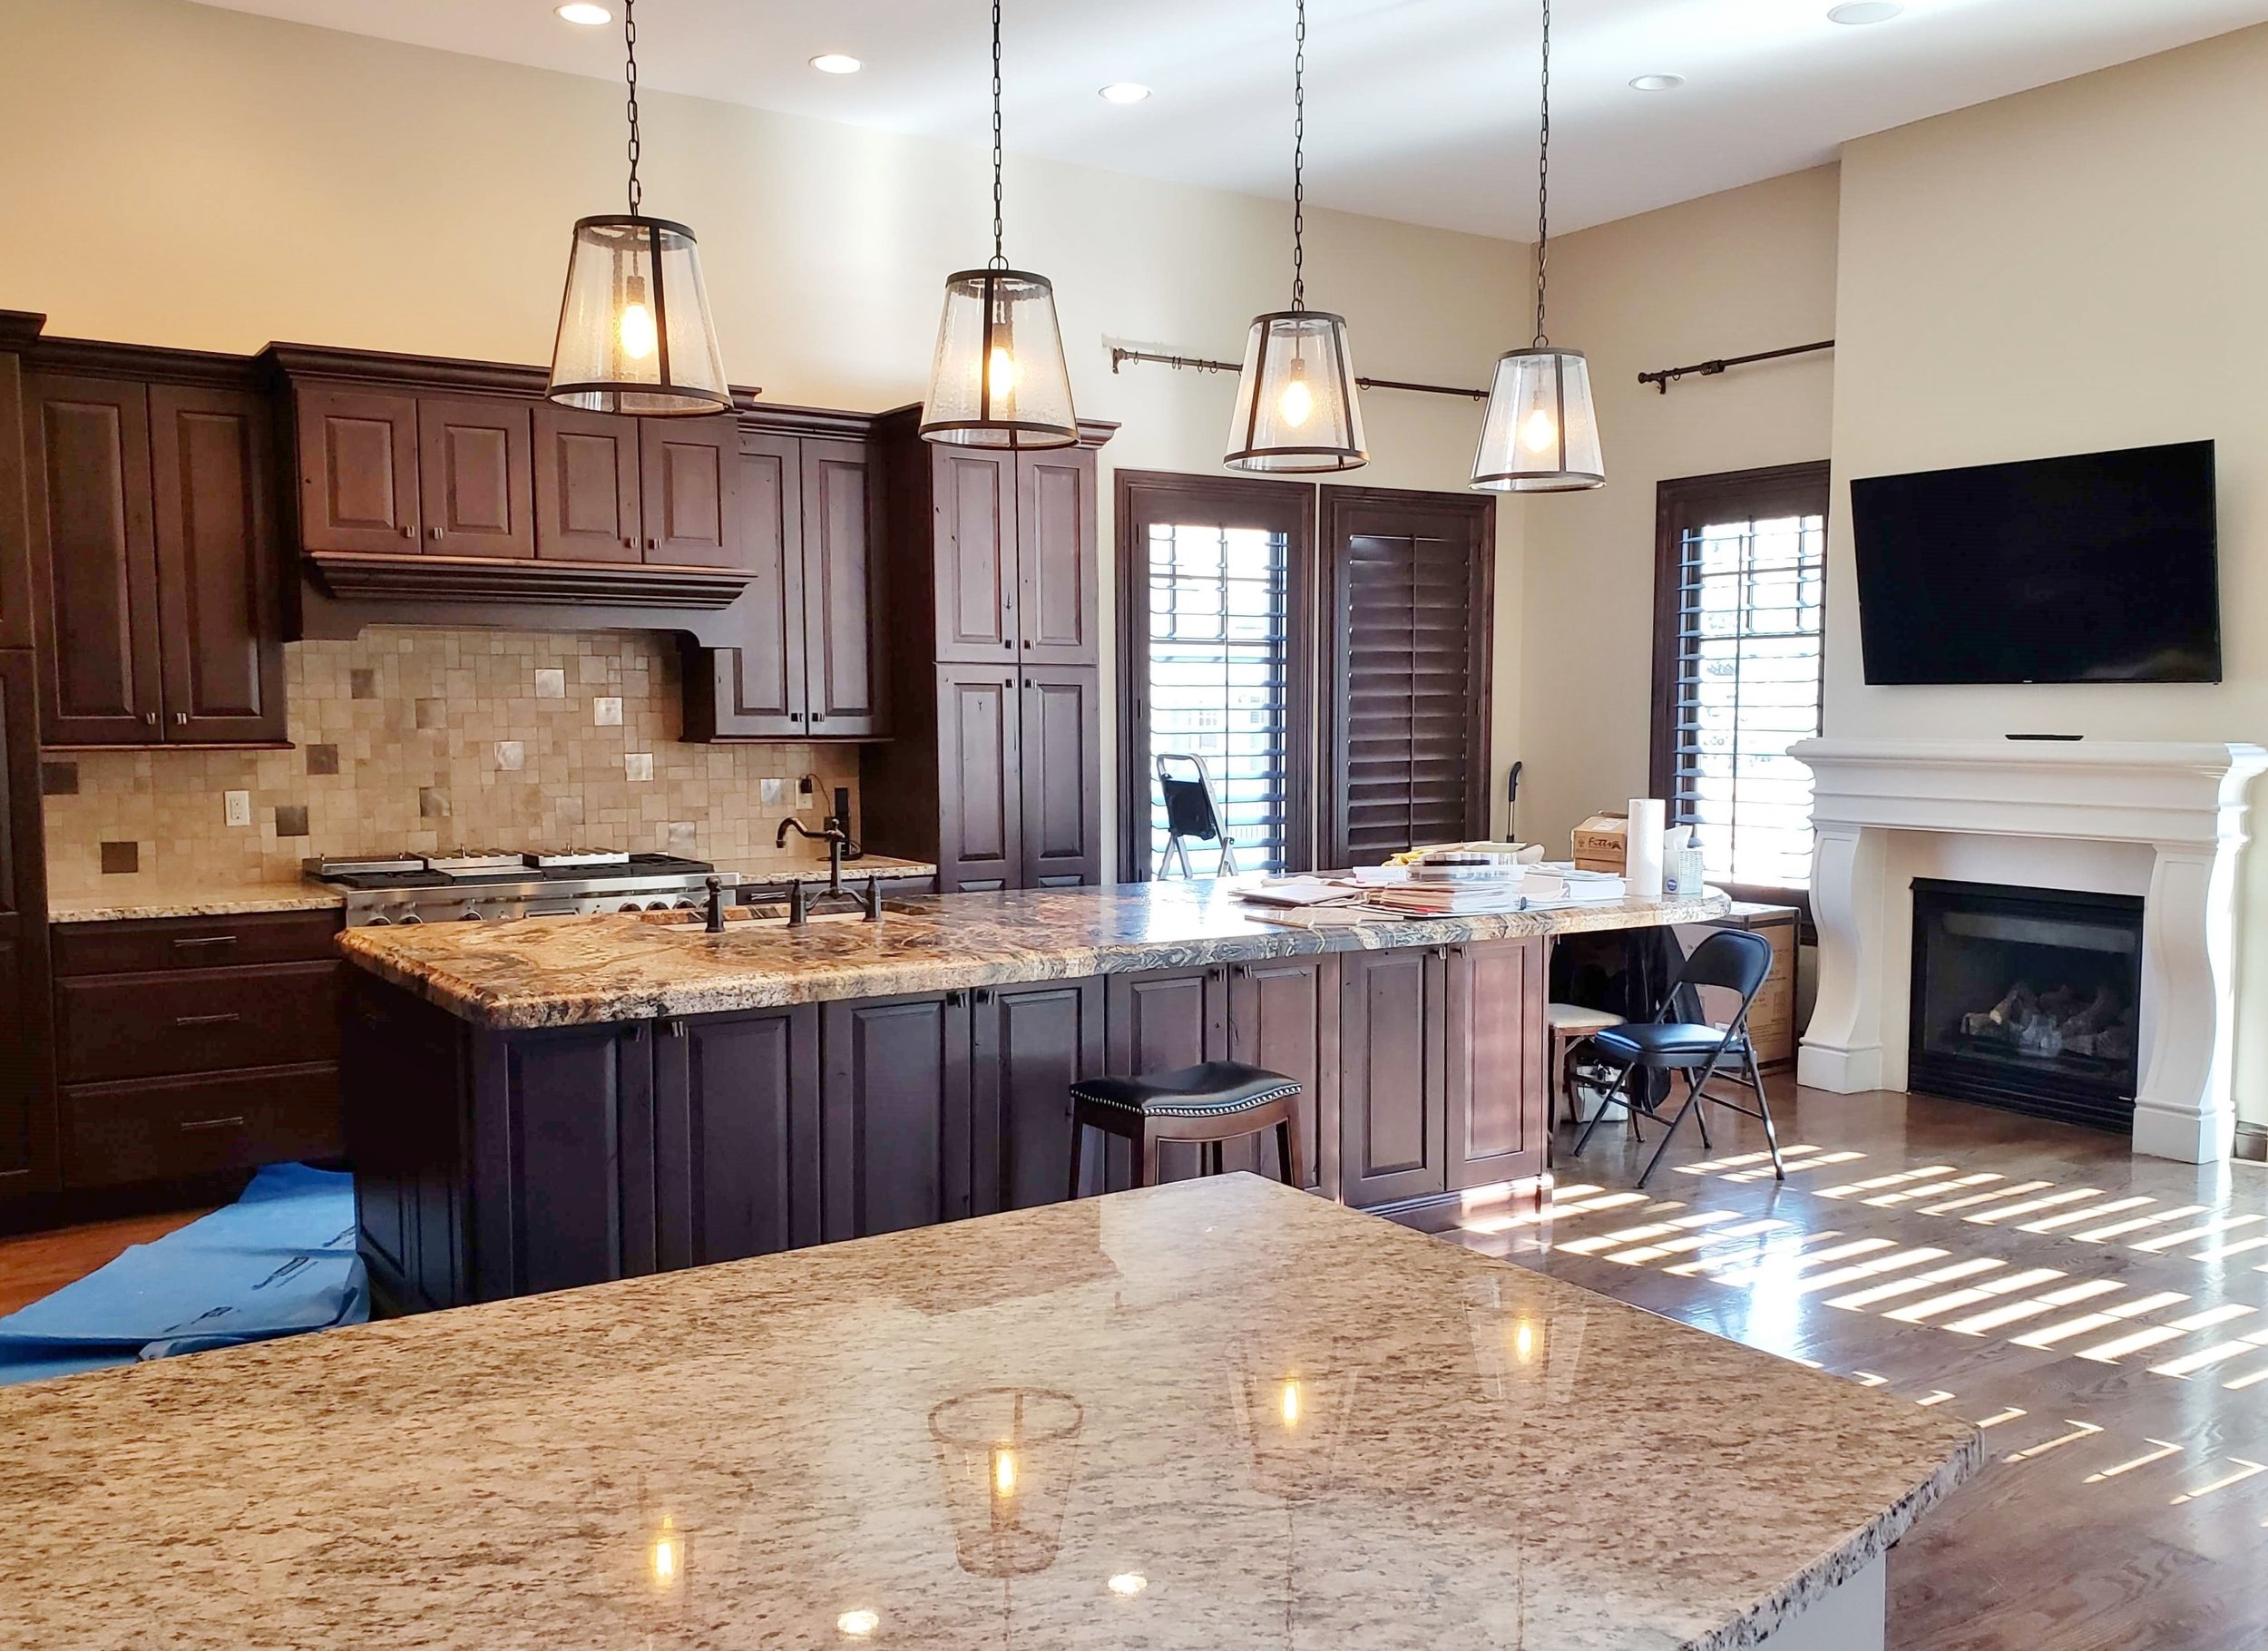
x: 472, y: 885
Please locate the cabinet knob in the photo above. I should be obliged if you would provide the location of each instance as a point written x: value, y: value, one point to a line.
x: 818, y: 715
x: 631, y: 542
x: 151, y: 717
x: 435, y: 532
x: 653, y: 544
x: 409, y: 530
x: 795, y: 716
x: 181, y: 717
x: 1007, y: 643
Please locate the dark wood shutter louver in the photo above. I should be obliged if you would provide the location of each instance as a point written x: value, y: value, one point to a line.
x: 1409, y: 627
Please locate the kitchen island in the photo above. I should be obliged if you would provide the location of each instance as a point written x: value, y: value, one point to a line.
x: 1196, y: 1415
x: 537, y: 1105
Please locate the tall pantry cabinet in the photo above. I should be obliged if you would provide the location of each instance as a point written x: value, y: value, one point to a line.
x: 996, y: 773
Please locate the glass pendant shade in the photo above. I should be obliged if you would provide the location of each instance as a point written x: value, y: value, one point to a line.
x: 1298, y: 409
x: 1541, y: 434
x: 635, y: 335
x: 999, y: 379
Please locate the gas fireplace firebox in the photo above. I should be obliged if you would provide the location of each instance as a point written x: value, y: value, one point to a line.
x: 2028, y: 999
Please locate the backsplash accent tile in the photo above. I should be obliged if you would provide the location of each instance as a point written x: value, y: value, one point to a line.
x: 551, y: 684
x: 59, y: 779
x: 639, y: 767
x: 511, y: 755
x: 415, y: 718
x: 607, y: 712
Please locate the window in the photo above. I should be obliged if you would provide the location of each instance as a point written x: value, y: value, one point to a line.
x: 1740, y: 603
x: 1214, y: 661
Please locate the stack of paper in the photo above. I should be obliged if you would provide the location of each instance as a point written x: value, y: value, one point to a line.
x: 1564, y: 884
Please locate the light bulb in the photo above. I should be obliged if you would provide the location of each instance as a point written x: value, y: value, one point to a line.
x: 1524, y: 1342
x: 1127, y: 1584
x: 667, y: 1558
x: 1289, y: 1404
x: 1001, y: 371
x: 636, y: 331
x: 1003, y: 1470
x: 1296, y: 403
x: 1539, y: 431
x: 860, y: 1623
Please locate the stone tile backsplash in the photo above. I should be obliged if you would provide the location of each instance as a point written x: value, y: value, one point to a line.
x: 430, y: 739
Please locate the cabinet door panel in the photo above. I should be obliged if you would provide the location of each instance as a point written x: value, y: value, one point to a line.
x: 586, y: 485
x: 736, y: 1146
x: 976, y: 554
x: 28, y: 1107
x: 1057, y: 565
x: 689, y: 492
x: 564, y: 1186
x: 94, y: 557
x: 220, y: 580
x: 358, y: 469
x: 760, y: 687
x: 1391, y: 1076
x: 842, y: 590
x: 895, y: 1089
x: 1284, y: 1017
x: 17, y: 626
x: 1159, y: 1021
x: 1498, y: 1105
x: 1059, y: 746
x: 1031, y: 1044
x: 980, y: 805
x: 474, y: 477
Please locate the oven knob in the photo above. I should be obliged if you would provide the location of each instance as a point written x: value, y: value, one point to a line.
x: 685, y: 905
x: 469, y: 915
x: 377, y: 921
x: 656, y: 905
x: 632, y: 906
x: 411, y: 917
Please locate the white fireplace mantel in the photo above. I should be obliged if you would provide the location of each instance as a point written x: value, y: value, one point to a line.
x: 2184, y: 802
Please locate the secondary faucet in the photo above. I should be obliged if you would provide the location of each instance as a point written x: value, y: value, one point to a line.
x: 836, y: 837
x: 831, y: 833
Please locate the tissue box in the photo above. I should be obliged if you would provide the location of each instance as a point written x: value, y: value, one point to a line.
x: 1602, y: 843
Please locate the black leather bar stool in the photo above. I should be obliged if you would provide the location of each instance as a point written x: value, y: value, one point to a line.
x: 1217, y: 1101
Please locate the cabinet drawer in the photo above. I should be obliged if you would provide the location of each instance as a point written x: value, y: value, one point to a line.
x: 114, y: 1133
x: 202, y: 1021
x: 195, y: 942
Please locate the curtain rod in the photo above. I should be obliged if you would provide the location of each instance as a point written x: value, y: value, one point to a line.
x: 1199, y: 363
x: 1710, y: 369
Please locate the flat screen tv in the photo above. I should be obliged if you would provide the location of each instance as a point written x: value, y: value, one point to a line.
x: 2097, y: 568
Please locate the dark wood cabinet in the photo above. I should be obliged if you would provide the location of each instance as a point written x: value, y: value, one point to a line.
x: 475, y: 476
x: 1497, y: 1098
x: 1284, y: 1017
x: 1059, y: 756
x: 894, y: 1135
x: 95, y: 559
x: 1159, y: 1021
x: 220, y: 601
x: 979, y: 780
x: 358, y: 469
x: 27, y: 1107
x: 156, y: 555
x: 974, y: 502
x: 736, y: 1135
x: 1028, y: 1044
x: 687, y: 481
x: 17, y: 627
x: 1392, y: 1077
x: 1058, y: 569
x: 842, y: 593
x: 586, y: 485
x: 761, y: 689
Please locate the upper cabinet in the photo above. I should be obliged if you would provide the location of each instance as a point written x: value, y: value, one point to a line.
x: 1015, y: 555
x: 586, y: 485
x: 475, y: 476
x: 151, y: 514
x: 357, y: 471
x: 689, y: 487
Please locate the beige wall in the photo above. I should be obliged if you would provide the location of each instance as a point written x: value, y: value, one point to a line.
x: 2072, y: 269
x: 183, y: 175
x: 1752, y: 268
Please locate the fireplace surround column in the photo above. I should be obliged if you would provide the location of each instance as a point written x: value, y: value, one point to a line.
x: 2185, y: 802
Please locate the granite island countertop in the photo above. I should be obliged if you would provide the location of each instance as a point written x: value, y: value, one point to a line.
x: 1247, y: 1417
x: 569, y: 972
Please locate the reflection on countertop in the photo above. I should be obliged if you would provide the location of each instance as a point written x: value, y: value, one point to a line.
x: 1210, y: 1413
x: 593, y: 969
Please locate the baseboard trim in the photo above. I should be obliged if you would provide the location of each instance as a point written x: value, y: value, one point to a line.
x: 2251, y: 1143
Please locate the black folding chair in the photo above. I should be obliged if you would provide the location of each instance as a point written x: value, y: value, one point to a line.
x: 1736, y: 960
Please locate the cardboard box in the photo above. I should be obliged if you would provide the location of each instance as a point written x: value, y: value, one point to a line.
x: 1601, y: 843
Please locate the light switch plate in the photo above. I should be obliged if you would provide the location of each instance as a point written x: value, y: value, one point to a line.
x: 237, y: 807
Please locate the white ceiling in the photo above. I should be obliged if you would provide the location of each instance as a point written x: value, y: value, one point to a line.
x: 1420, y: 110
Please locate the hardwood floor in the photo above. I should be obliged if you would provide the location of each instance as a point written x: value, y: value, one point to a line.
x: 41, y: 1263
x: 2104, y: 1317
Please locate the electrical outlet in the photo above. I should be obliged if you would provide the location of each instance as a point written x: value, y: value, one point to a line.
x: 237, y: 807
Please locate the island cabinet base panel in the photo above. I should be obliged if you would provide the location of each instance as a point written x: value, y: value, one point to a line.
x: 1853, y: 1615
x: 736, y: 1135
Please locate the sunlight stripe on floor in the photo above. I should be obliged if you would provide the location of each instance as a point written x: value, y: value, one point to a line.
x: 1931, y: 1189
x: 2222, y: 1252
x: 2079, y: 1429
x: 2167, y: 1242
x: 2103, y: 1234
x: 2244, y: 1470
x: 2189, y: 1364
x: 1737, y: 1271
x: 1824, y: 1161
x: 2015, y: 1190
x: 1862, y: 1299
x: 1981, y: 1323
x: 1987, y: 1218
x: 1915, y: 1313
x: 2163, y: 1451
x: 2072, y: 1217
x: 1871, y: 1269
x: 2111, y: 1352
x: 1895, y: 1179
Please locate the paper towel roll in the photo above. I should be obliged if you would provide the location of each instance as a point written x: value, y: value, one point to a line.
x: 1642, y: 856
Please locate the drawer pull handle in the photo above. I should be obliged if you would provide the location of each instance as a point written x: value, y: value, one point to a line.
x: 204, y: 940
x: 213, y: 1123
x: 229, y: 1019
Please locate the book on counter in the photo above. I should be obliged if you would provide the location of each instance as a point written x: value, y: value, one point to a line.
x: 1564, y: 884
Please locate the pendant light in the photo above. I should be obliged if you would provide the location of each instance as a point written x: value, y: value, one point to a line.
x: 635, y: 335
x: 1541, y: 434
x: 1297, y: 410
x: 999, y: 378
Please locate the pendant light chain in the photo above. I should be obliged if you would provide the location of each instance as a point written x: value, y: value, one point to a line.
x: 629, y: 75
x: 1299, y: 157
x: 999, y: 256
x: 1543, y: 184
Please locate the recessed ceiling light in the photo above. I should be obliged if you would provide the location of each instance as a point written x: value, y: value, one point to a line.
x: 837, y: 62
x: 1865, y: 11
x: 1658, y: 82
x: 589, y: 17
x: 1124, y: 91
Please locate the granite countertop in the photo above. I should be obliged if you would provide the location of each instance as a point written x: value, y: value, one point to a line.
x: 1248, y: 1416
x: 567, y: 971
x: 136, y: 895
